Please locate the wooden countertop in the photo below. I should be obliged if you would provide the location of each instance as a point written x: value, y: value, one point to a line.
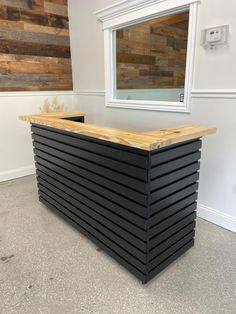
x: 146, y: 141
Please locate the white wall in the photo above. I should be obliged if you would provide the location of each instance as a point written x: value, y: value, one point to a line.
x: 214, y: 101
x: 16, y: 157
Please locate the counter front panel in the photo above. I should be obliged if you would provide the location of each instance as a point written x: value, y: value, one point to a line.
x: 137, y: 205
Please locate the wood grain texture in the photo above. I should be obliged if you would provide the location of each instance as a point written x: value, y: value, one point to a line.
x: 59, y: 9
x: 152, y: 54
x: 34, y: 45
x: 34, y: 49
x: 33, y: 67
x: 147, y: 141
x: 27, y: 4
x: 32, y: 37
x: 45, y: 29
x: 62, y: 2
x: 34, y: 59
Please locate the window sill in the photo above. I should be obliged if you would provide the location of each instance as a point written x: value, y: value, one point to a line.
x: 149, y: 105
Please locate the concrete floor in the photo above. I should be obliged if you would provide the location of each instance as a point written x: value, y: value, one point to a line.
x: 46, y: 266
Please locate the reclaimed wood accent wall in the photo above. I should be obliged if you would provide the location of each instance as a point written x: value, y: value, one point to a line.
x: 153, y: 54
x: 34, y: 45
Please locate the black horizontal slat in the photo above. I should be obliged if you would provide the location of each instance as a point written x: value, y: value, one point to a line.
x: 92, y: 236
x: 165, y: 224
x: 52, y: 147
x: 171, y: 188
x: 169, y: 260
x: 174, y: 198
x: 105, y: 172
x: 175, y: 152
x: 171, y: 240
x: 189, y: 220
x: 168, y: 252
x: 78, y: 174
x: 99, y: 147
x: 74, y: 198
x: 109, y: 229
x: 174, y: 164
x: 77, y: 205
x: 165, y: 213
x: 174, y: 176
x: 113, y: 196
x: 85, y: 222
x: 75, y: 191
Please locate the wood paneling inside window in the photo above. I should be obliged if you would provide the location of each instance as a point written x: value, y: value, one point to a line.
x: 153, y: 54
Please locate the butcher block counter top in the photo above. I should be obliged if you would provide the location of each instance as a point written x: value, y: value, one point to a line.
x: 147, y: 141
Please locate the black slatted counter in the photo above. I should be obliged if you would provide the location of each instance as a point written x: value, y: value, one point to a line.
x: 139, y: 206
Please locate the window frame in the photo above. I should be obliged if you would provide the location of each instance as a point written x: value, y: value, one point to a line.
x: 130, y: 12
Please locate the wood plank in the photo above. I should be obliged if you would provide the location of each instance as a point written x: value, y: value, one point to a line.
x: 34, y: 49
x: 30, y: 67
x: 63, y: 114
x: 10, y: 79
x: 134, y: 58
x: 4, y: 13
x: 182, y: 133
x: 54, y: 8
x: 45, y: 29
x: 63, y: 2
x: 170, y: 19
x: 29, y: 16
x: 16, y: 14
x: 32, y: 37
x: 58, y: 21
x: 34, y: 82
x: 26, y: 4
x: 34, y: 59
x: 146, y: 141
x: 4, y: 24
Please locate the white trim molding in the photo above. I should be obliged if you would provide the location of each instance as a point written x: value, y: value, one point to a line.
x: 17, y: 173
x: 129, y: 12
x: 217, y: 217
x: 132, y: 11
x: 196, y: 93
x: 90, y: 93
x: 36, y: 93
x: 214, y: 93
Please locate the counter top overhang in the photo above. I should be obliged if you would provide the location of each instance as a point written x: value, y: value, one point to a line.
x: 147, y: 141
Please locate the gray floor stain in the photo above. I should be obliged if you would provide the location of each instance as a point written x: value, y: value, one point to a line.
x: 6, y: 258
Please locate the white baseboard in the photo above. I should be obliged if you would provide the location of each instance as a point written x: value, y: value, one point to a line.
x: 217, y: 217
x: 17, y: 173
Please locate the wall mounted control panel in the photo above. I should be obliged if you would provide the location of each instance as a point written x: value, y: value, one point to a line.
x: 214, y: 36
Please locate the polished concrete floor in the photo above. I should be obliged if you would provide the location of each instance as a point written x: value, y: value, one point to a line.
x: 46, y: 266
